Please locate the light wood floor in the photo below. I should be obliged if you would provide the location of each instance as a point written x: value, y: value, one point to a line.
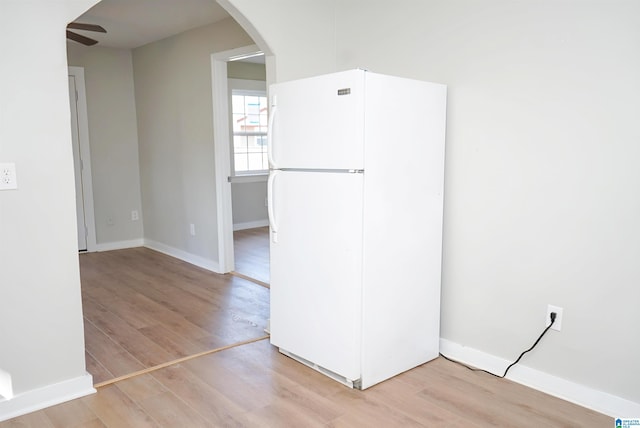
x: 251, y: 251
x: 143, y: 308
x: 255, y: 386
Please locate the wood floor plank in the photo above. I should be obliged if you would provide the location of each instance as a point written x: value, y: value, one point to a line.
x: 527, y: 401
x: 246, y: 395
x: 132, y: 340
x: 306, y: 401
x: 208, y: 402
x: 122, y: 302
x: 72, y: 413
x: 482, y: 403
x: 161, y: 289
x: 108, y: 353
x: 282, y: 414
x: 30, y: 420
x: 150, y: 308
x: 116, y: 409
x: 171, y: 319
x: 397, y: 395
x: 95, y: 423
x: 256, y: 386
x: 251, y: 249
x: 174, y: 343
x: 299, y: 373
x: 99, y: 372
x: 361, y: 410
x: 171, y: 412
x: 142, y: 306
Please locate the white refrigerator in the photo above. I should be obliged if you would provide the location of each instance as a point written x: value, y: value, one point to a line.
x: 355, y: 199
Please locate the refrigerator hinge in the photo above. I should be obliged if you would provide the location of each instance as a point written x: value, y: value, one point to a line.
x: 356, y: 171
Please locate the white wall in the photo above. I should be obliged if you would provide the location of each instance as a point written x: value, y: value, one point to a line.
x: 41, y: 331
x: 246, y: 70
x: 113, y: 137
x: 301, y: 32
x: 542, y: 170
x: 248, y: 204
x: 174, y: 107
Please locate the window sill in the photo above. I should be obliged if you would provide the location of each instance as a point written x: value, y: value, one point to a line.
x: 249, y: 178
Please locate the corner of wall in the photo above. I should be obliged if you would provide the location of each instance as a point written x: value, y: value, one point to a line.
x: 47, y: 396
x: 185, y: 256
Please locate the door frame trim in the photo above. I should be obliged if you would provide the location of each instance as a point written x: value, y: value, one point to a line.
x: 85, y: 153
x: 222, y: 149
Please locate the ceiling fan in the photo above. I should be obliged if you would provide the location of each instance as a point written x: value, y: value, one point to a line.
x: 80, y: 38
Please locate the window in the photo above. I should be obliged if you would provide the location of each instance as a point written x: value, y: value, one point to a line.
x: 249, y: 125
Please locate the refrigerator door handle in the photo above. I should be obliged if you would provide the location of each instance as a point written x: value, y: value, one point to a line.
x: 270, y: 208
x: 272, y: 118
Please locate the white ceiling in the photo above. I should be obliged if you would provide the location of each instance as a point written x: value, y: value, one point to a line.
x: 133, y: 23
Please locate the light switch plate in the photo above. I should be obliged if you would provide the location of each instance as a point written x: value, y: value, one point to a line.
x: 8, y: 179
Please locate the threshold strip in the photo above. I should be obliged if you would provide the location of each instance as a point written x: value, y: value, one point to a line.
x: 248, y: 278
x: 179, y: 360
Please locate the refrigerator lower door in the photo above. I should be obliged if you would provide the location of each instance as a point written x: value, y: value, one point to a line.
x: 316, y: 268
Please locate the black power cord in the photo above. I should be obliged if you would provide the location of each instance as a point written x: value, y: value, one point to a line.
x: 553, y: 319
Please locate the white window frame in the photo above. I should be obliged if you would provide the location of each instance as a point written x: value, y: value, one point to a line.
x: 248, y: 87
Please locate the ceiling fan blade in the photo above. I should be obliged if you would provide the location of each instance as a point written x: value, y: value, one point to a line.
x: 80, y: 39
x: 86, y: 27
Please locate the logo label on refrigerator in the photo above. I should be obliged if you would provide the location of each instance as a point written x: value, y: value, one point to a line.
x: 345, y: 91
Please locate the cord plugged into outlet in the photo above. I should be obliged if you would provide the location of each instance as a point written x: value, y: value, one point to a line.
x: 555, y: 321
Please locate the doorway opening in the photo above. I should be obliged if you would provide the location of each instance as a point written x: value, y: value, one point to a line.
x: 242, y: 239
x: 119, y: 319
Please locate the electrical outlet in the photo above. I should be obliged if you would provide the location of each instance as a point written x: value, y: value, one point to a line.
x: 134, y: 215
x: 8, y: 176
x: 192, y: 229
x: 557, y: 325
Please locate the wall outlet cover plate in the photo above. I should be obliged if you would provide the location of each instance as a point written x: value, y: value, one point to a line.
x: 8, y: 180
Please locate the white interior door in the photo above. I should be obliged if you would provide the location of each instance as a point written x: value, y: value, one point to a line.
x: 77, y: 166
x: 316, y: 267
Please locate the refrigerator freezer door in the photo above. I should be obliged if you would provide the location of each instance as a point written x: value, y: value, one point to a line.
x: 316, y: 268
x: 317, y: 123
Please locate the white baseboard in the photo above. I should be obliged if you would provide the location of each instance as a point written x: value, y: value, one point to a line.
x: 250, y: 224
x: 47, y: 396
x: 120, y: 245
x: 183, y: 255
x: 6, y: 386
x: 582, y: 395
